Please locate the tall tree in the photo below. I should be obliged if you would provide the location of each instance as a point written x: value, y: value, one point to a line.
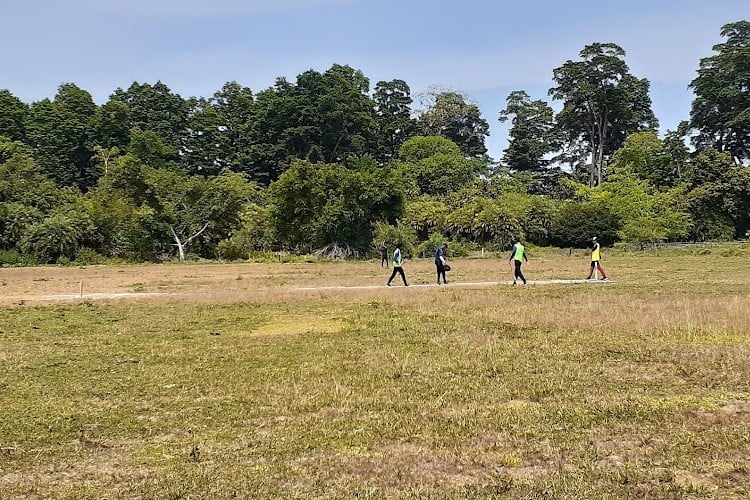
x: 111, y: 125
x: 235, y: 105
x: 602, y: 103
x: 719, y: 196
x: 721, y: 109
x: 203, y: 149
x: 393, y: 117
x: 155, y: 108
x: 532, y: 133
x: 13, y: 113
x: 449, y: 115
x: 217, y: 137
x: 645, y: 155
x: 434, y: 165
x: 60, y: 133
x: 323, y: 117
x: 316, y: 205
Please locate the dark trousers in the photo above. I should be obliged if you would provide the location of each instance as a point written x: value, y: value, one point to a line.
x: 383, y: 261
x: 517, y: 273
x: 399, y: 270
x: 440, y: 272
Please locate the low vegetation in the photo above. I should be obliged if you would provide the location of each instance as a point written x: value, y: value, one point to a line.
x: 250, y: 388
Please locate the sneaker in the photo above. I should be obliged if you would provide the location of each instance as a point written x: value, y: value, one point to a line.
x: 605, y: 279
x: 388, y: 285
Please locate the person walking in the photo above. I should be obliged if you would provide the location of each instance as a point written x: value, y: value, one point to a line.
x: 397, y: 267
x: 595, y: 260
x: 518, y: 256
x: 440, y: 264
x: 383, y: 255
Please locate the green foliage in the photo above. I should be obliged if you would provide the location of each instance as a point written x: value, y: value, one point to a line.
x: 602, y: 103
x: 315, y: 205
x: 150, y: 149
x: 13, y: 116
x: 643, y: 214
x: 486, y: 221
x: 448, y: 114
x: 644, y: 155
x: 578, y: 221
x: 23, y: 181
x: 15, y: 219
x: 10, y: 258
x: 255, y: 234
x: 60, y: 132
x: 719, y: 196
x: 428, y: 247
x: 532, y: 134
x: 388, y: 235
x: 57, y: 236
x: 393, y: 117
x: 426, y: 215
x: 323, y: 117
x: 721, y: 109
x: 111, y: 125
x: 154, y: 108
x: 155, y: 169
x: 190, y: 206
x: 434, y: 166
x: 88, y: 257
x: 420, y: 148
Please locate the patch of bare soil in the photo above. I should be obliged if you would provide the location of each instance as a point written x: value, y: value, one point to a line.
x: 99, y: 462
x: 395, y: 466
x: 211, y: 282
x: 730, y: 413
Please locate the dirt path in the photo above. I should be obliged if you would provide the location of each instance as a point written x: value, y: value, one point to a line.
x: 239, y: 281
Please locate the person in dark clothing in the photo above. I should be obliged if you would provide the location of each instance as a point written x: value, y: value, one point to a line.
x: 440, y: 264
x: 518, y: 256
x: 383, y: 256
x: 397, y: 267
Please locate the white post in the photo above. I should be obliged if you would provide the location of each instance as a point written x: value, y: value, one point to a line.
x: 596, y: 271
x: 81, y: 289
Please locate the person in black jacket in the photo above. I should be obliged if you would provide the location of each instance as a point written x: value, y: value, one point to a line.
x: 440, y: 264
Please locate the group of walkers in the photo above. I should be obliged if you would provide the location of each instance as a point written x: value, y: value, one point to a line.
x: 517, y: 258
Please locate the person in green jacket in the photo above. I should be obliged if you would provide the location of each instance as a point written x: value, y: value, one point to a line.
x: 518, y: 256
x: 397, y: 267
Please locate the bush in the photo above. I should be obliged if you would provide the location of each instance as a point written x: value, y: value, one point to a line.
x: 88, y: 257
x: 390, y: 236
x: 10, y: 258
x: 577, y: 222
x: 232, y: 249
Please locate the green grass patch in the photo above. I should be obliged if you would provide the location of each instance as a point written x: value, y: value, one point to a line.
x: 640, y: 389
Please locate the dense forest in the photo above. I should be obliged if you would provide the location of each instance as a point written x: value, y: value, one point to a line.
x: 327, y: 164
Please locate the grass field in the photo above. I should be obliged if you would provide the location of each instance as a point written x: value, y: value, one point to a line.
x: 234, y: 383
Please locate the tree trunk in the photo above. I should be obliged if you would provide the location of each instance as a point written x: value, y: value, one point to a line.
x: 182, y: 246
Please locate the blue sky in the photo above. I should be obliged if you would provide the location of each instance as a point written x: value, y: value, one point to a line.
x: 483, y: 48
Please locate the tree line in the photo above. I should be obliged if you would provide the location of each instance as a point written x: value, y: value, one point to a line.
x: 325, y: 163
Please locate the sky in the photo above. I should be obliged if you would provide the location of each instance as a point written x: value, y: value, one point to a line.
x: 483, y: 48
